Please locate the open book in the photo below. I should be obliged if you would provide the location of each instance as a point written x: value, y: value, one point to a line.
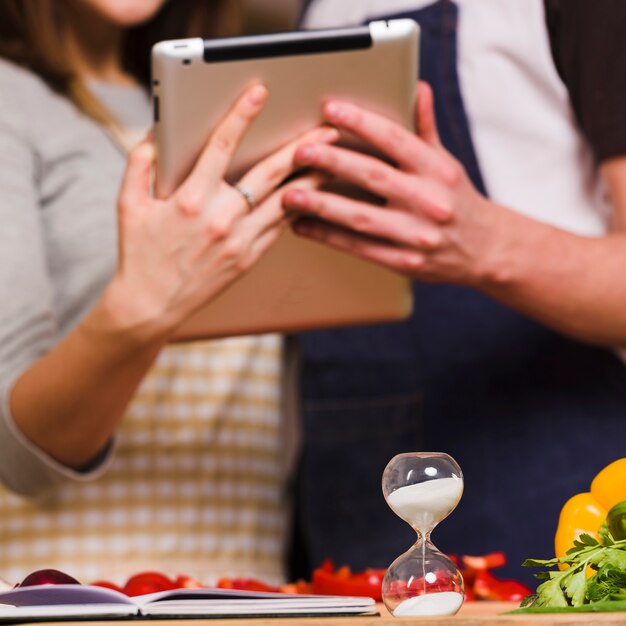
x: 48, y: 602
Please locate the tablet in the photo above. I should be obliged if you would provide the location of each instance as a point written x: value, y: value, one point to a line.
x: 298, y: 284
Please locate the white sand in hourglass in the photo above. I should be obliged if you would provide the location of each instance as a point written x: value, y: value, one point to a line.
x: 441, y: 603
x: 426, y: 504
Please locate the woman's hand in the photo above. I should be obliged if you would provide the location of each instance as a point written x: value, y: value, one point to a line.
x: 434, y: 226
x: 178, y: 253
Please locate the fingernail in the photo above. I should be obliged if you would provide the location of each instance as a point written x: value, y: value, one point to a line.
x: 146, y: 151
x: 330, y: 135
x: 305, y: 153
x: 295, y: 197
x: 257, y: 95
x: 334, y: 111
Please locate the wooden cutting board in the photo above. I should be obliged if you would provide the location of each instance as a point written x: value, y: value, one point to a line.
x: 471, y: 614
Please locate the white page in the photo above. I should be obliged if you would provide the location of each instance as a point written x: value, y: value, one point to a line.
x: 258, y: 609
x: 63, y: 611
x: 59, y: 601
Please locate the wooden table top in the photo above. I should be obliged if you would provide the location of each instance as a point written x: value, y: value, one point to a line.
x: 471, y: 614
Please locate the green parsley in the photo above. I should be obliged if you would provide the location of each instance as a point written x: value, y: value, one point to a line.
x: 570, y: 590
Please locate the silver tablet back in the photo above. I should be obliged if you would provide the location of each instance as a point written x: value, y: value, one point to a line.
x: 298, y: 284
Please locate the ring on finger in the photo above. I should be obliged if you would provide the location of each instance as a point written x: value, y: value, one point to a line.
x: 247, y: 194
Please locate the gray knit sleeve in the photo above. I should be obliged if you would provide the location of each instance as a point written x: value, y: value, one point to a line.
x: 28, y: 328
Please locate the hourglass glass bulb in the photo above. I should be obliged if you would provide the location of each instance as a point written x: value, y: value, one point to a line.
x: 423, y: 488
x: 423, y: 581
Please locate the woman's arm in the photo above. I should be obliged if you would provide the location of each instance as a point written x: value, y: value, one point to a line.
x: 437, y: 227
x: 175, y: 255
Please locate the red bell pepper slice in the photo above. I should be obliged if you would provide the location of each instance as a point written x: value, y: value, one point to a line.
x: 487, y: 561
x: 342, y: 582
x: 245, y: 584
x: 487, y: 587
x: 299, y: 586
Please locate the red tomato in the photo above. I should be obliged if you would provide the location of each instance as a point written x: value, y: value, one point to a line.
x: 186, y: 582
x: 245, y: 584
x: 147, y: 582
x: 108, y: 585
x: 343, y: 582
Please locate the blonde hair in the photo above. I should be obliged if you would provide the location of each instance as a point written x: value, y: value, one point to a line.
x: 31, y: 35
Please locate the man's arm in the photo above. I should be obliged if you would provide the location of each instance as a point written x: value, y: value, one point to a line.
x: 576, y: 285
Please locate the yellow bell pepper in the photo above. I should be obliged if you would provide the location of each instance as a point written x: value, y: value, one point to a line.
x: 585, y: 512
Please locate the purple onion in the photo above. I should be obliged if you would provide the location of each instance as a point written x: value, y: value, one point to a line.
x: 47, y: 577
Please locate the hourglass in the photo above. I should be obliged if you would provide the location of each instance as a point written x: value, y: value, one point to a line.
x: 423, y: 488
